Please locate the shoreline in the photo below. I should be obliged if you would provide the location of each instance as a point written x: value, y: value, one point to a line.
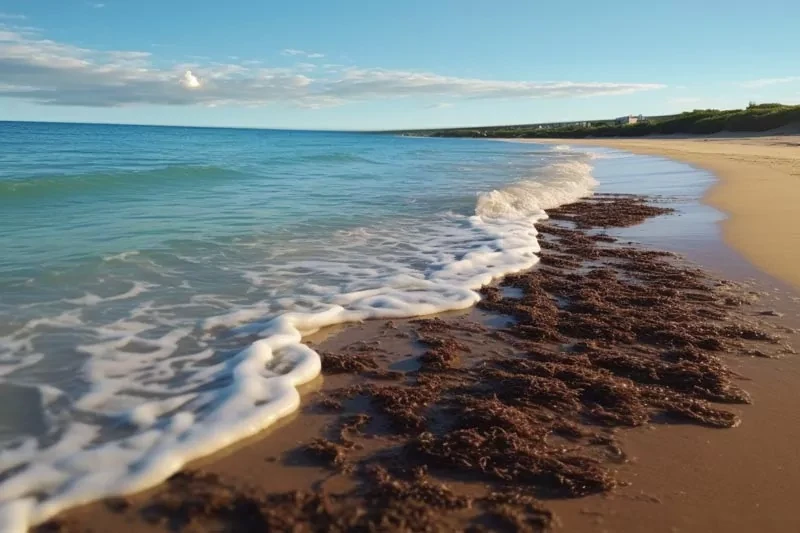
x: 758, y: 187
x: 279, y: 461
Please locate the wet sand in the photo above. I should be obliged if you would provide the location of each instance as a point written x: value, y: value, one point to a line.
x: 609, y: 387
x: 758, y: 187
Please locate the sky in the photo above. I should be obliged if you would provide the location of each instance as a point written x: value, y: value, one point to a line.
x: 389, y: 64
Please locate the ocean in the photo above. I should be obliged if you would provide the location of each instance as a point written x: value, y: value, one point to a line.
x: 156, y: 282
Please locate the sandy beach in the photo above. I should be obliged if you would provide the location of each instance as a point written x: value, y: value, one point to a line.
x: 609, y: 387
x: 758, y: 188
x: 439, y: 273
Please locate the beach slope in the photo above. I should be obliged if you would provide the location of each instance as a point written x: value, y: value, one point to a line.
x: 758, y: 188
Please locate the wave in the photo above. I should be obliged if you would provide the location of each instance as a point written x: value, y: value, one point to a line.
x: 261, y: 382
x: 591, y: 154
x: 561, y: 183
x: 59, y: 184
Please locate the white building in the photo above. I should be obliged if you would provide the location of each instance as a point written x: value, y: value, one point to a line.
x: 630, y: 119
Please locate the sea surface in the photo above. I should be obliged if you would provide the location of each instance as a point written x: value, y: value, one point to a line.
x: 155, y: 283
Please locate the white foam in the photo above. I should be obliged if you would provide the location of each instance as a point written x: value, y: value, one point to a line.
x: 93, y: 299
x: 566, y: 182
x: 258, y: 385
x: 123, y: 256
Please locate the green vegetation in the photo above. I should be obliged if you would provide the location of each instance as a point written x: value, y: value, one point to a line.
x: 756, y: 118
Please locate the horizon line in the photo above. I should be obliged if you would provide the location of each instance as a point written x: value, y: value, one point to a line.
x: 324, y: 130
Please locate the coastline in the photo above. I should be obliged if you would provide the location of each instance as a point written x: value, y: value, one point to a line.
x: 276, y: 461
x: 758, y: 187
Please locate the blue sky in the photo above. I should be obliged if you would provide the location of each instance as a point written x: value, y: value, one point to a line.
x: 357, y: 64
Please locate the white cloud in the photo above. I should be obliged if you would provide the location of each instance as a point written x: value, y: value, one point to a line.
x: 441, y: 105
x: 12, y: 16
x: 51, y: 73
x: 295, y: 52
x: 766, y: 82
x: 189, y: 80
x: 98, y: 6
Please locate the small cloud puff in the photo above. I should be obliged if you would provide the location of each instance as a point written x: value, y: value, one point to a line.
x: 189, y: 80
x: 295, y: 52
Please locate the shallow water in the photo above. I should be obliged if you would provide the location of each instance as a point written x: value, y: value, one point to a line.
x: 156, y: 282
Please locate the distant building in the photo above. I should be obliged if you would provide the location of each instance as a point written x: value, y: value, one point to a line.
x: 630, y: 119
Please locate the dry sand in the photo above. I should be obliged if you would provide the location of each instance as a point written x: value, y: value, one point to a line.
x: 759, y: 188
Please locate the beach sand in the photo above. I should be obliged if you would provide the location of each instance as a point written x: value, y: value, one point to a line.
x: 477, y: 419
x: 759, y: 188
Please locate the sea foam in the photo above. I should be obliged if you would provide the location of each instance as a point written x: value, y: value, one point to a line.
x: 259, y: 385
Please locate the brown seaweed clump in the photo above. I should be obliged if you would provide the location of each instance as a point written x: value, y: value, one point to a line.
x: 442, y: 353
x: 390, y: 500
x: 604, y: 336
x: 207, y: 502
x: 351, y: 363
x: 608, y: 211
x: 334, y: 452
x: 509, y: 457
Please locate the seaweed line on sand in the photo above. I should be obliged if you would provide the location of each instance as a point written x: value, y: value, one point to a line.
x: 493, y: 421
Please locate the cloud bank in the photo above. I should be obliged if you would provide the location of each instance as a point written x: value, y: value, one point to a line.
x: 52, y: 73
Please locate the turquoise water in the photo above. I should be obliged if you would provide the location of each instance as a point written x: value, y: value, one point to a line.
x: 155, y: 283
x: 118, y: 188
